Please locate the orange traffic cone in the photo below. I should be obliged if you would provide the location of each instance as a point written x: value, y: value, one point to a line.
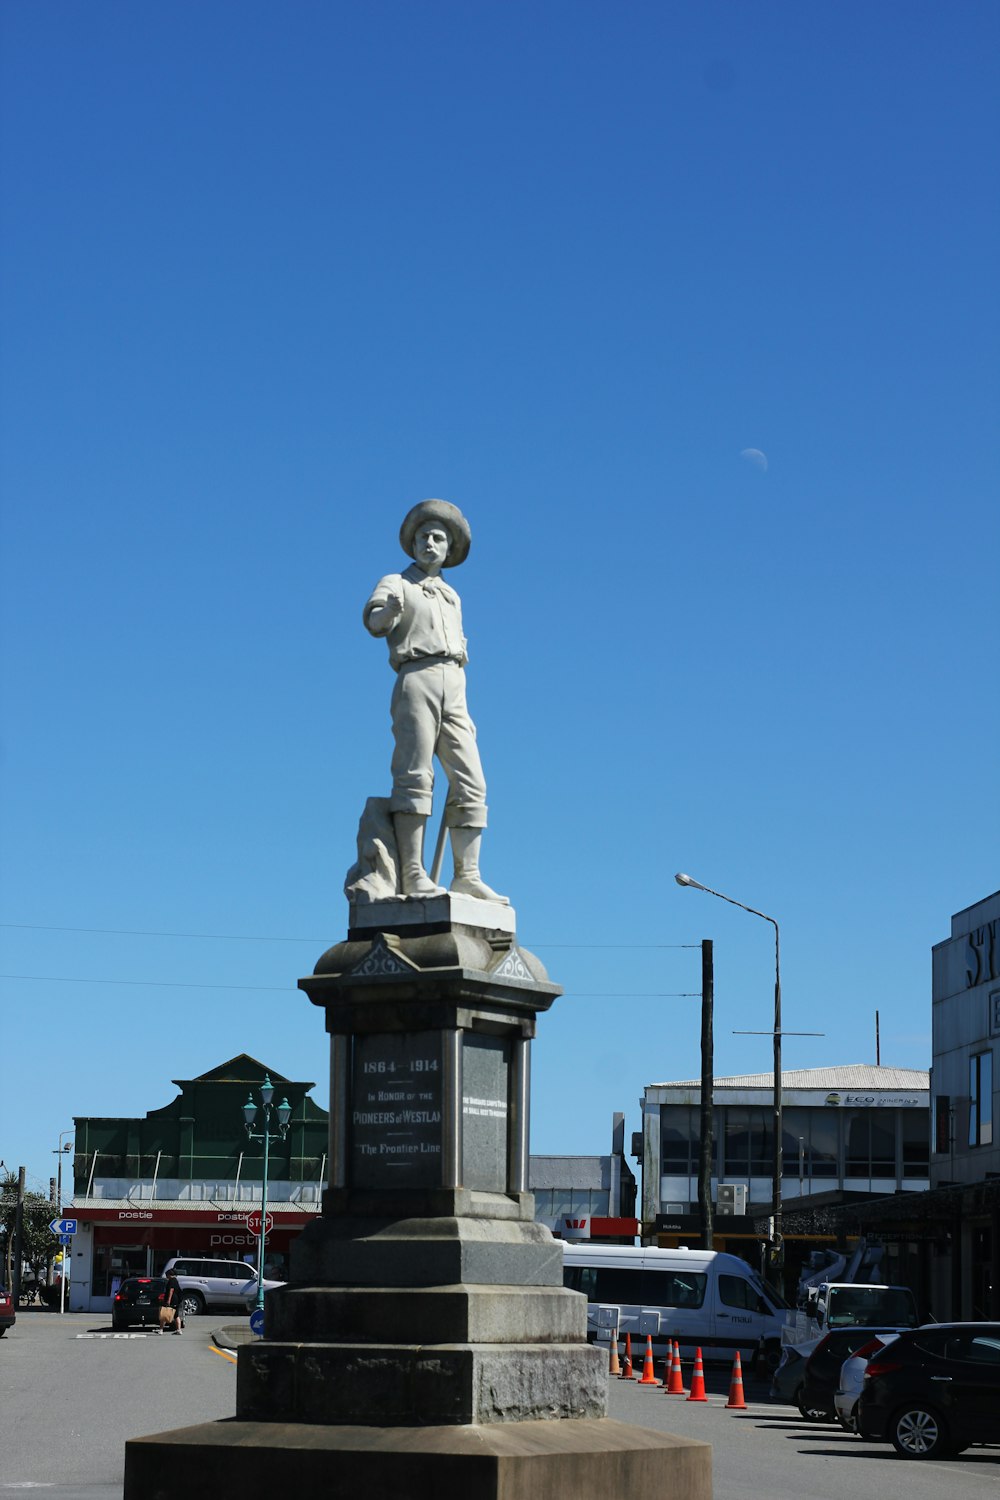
x: 614, y: 1363
x: 626, y: 1373
x: 675, y: 1376
x: 648, y: 1378
x: 736, y: 1400
x: 698, y: 1380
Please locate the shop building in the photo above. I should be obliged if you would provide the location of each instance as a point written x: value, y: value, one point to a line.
x: 849, y: 1134
x: 184, y: 1178
x: 965, y: 1161
x: 953, y: 1231
x: 853, y: 1129
x: 965, y: 1032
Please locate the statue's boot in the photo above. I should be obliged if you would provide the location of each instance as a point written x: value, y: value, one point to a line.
x: 413, y: 878
x: 465, y: 844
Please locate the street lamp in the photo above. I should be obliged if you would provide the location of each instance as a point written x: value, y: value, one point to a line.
x: 59, y: 1151
x: 284, y: 1114
x: 776, y: 1237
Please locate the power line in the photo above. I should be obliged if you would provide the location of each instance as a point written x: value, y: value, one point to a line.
x: 283, y: 989
x: 226, y: 937
x: 237, y: 937
x: 160, y: 984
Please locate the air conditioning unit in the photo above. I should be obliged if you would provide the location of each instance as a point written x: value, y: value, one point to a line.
x: 732, y: 1199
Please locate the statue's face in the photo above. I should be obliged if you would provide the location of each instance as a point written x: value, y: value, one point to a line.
x: 430, y: 545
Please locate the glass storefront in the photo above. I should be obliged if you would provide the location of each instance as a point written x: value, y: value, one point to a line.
x: 818, y: 1143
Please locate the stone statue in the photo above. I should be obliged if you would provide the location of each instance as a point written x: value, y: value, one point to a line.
x: 421, y: 618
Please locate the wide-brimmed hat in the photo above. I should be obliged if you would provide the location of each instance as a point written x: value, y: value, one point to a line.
x: 450, y: 517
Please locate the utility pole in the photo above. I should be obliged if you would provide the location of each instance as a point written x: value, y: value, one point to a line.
x: 18, y: 1232
x: 707, y: 1083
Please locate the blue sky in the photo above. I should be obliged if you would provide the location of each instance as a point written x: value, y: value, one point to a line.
x: 270, y: 275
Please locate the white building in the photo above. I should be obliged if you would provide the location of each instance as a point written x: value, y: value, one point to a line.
x: 856, y: 1129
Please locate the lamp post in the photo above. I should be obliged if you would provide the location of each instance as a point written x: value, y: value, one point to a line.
x: 59, y: 1151
x: 776, y: 1237
x: 284, y: 1114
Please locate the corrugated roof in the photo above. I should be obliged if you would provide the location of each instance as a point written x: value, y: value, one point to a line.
x: 865, y: 1076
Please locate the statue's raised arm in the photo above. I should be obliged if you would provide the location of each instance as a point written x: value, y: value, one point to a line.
x: 420, y: 617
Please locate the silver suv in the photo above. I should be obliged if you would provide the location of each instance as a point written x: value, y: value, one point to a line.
x: 223, y: 1284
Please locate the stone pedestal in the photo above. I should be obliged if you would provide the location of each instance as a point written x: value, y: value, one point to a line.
x: 585, y: 1460
x: 425, y: 1338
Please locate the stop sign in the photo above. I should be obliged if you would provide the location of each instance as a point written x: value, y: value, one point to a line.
x: 253, y: 1223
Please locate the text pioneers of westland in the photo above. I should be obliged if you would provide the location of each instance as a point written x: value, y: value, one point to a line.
x: 396, y: 1114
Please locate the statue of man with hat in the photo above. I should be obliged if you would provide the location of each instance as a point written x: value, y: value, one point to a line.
x: 421, y: 618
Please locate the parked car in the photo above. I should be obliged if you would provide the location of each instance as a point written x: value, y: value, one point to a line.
x: 815, y: 1401
x: 786, y: 1383
x: 223, y: 1285
x: 8, y: 1316
x: 821, y: 1375
x: 934, y: 1390
x: 138, y: 1300
x: 852, y: 1375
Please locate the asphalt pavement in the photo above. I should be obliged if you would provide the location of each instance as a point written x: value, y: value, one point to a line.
x: 72, y: 1392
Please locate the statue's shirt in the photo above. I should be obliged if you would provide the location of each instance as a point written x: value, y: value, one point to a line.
x: 431, y: 622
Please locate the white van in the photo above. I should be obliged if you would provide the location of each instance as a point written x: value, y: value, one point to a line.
x: 702, y: 1298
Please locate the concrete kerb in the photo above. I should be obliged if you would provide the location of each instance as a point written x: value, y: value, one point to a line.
x: 232, y: 1336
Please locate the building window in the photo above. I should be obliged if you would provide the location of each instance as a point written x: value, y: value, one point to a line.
x: 871, y: 1146
x: 981, y: 1099
x: 749, y: 1142
x: 824, y: 1143
x: 916, y: 1146
x: 680, y: 1139
x: 809, y: 1138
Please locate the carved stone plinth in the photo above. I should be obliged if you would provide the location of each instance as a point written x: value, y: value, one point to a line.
x: 425, y: 1344
x: 584, y: 1460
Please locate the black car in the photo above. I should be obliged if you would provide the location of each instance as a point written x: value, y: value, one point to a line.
x: 934, y: 1390
x: 821, y: 1374
x: 138, y: 1300
x: 786, y: 1383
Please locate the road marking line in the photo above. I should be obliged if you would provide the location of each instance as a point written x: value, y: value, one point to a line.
x: 109, y: 1335
x: 223, y: 1354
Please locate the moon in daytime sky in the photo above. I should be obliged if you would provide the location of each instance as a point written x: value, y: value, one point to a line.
x: 755, y: 457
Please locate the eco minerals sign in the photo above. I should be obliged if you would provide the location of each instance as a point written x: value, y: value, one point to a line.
x: 876, y: 1101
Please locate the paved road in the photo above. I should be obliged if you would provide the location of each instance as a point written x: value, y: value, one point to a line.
x: 770, y: 1451
x: 71, y: 1393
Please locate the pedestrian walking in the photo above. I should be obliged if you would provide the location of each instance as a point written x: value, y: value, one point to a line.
x: 173, y: 1298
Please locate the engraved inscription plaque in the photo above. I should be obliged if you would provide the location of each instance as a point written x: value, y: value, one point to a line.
x: 485, y: 1084
x: 396, y: 1110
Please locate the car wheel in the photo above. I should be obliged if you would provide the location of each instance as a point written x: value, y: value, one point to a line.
x: 192, y: 1303
x: 917, y: 1432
